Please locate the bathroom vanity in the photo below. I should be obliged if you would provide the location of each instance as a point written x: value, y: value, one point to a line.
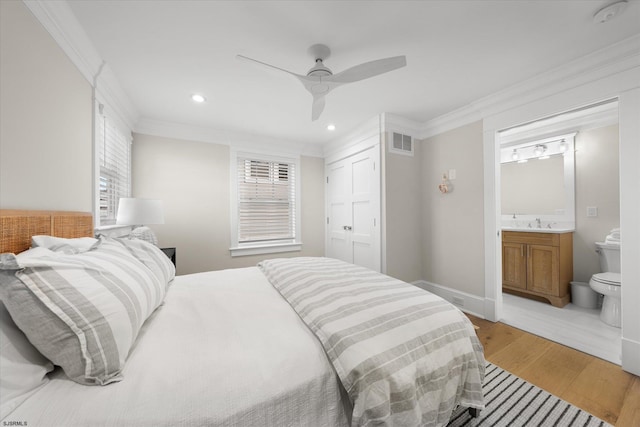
x: 538, y: 262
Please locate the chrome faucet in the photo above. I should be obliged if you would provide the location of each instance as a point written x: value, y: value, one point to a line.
x: 539, y: 222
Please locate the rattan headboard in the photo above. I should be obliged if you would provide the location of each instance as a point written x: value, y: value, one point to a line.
x: 17, y: 227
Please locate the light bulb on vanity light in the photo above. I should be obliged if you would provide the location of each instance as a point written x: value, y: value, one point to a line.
x: 514, y: 155
x: 539, y: 150
x: 562, y: 146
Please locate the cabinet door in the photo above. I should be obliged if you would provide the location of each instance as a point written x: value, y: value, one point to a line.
x: 543, y: 269
x: 514, y: 267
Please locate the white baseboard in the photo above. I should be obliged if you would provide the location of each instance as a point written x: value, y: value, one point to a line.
x: 468, y: 303
x: 631, y: 356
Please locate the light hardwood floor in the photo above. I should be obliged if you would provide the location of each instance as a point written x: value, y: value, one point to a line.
x: 597, y: 386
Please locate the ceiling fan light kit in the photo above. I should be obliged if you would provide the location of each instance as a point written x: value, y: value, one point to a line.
x: 320, y: 80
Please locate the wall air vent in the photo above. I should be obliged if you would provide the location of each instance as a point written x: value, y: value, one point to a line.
x: 401, y: 144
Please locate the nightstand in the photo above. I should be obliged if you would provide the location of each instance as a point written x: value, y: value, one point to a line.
x: 171, y: 253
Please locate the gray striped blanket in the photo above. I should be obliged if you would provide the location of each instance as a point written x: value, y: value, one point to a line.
x: 404, y: 356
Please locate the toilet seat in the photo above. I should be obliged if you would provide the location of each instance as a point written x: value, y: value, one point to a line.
x: 607, y: 278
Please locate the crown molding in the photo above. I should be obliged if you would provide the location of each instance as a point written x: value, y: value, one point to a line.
x: 366, y: 130
x: 238, y: 140
x: 394, y: 123
x: 605, y: 114
x: 611, y: 60
x: 60, y: 22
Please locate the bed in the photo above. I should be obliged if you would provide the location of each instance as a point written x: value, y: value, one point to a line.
x: 257, y: 346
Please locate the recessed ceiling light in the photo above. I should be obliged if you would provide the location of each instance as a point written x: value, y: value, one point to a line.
x: 331, y: 127
x: 196, y: 97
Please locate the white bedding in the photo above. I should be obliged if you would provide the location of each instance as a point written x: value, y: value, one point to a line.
x: 223, y: 349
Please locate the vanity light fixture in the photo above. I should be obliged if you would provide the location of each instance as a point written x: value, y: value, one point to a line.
x: 196, y: 97
x: 539, y: 150
x: 514, y: 155
x: 331, y: 127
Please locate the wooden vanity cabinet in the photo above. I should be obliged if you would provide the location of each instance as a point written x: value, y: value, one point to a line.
x: 539, y: 264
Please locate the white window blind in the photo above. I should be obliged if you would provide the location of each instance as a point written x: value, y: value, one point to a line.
x: 114, y: 151
x: 266, y: 201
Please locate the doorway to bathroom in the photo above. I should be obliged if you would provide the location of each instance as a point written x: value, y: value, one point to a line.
x: 560, y: 175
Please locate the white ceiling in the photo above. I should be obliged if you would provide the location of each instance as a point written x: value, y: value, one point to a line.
x: 457, y: 52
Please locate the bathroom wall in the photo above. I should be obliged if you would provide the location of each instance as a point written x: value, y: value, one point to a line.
x: 453, y: 223
x: 597, y: 185
x: 192, y: 179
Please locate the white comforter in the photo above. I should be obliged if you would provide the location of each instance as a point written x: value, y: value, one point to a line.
x: 224, y: 349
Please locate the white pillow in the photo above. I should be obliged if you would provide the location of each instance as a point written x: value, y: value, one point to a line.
x: 71, y: 246
x: 82, y: 311
x: 22, y: 368
x: 151, y: 256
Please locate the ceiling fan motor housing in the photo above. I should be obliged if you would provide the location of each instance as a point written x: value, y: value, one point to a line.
x: 319, y: 70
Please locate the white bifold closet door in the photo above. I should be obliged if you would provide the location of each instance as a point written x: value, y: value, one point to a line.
x: 353, y: 209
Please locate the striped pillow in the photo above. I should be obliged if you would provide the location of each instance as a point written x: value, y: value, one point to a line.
x: 151, y: 256
x: 82, y: 311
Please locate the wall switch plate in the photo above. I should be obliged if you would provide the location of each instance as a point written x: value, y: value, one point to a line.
x: 592, y: 211
x: 452, y: 174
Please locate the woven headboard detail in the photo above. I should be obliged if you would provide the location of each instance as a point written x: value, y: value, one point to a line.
x: 17, y: 227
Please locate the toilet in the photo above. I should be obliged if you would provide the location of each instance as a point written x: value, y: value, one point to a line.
x: 608, y: 282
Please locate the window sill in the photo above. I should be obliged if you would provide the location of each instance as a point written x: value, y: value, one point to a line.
x: 265, y: 249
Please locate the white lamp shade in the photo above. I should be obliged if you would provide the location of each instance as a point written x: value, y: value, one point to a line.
x: 133, y: 211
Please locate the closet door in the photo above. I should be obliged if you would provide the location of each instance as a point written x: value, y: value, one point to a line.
x: 353, y: 209
x: 338, y: 216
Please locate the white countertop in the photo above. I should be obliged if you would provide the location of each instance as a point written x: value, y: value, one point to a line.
x: 558, y: 230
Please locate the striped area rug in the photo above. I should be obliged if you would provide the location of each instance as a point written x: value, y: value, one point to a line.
x: 512, y: 401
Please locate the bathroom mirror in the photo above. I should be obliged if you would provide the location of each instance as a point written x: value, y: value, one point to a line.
x: 538, y: 179
x: 533, y: 188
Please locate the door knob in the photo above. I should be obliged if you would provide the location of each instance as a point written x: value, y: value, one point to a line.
x: 347, y: 227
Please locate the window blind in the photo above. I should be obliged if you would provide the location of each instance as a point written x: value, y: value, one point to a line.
x: 115, y: 168
x: 266, y: 201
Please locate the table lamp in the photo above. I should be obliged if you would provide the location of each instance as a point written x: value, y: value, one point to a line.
x: 138, y: 213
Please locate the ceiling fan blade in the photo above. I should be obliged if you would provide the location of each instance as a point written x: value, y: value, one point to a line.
x: 368, y: 69
x: 264, y: 64
x: 317, y: 107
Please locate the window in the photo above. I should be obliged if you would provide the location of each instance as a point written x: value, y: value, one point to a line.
x: 265, y: 208
x: 114, y: 172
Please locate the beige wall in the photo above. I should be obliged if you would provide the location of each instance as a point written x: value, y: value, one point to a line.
x: 453, y: 223
x: 45, y: 119
x: 598, y: 185
x: 192, y: 179
x: 403, y: 214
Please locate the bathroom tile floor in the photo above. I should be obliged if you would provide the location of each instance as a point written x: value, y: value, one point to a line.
x: 573, y: 326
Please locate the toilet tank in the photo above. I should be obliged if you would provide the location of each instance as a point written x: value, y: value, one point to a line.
x: 609, y: 255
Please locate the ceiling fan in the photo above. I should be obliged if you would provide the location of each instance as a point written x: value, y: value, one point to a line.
x: 319, y: 80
